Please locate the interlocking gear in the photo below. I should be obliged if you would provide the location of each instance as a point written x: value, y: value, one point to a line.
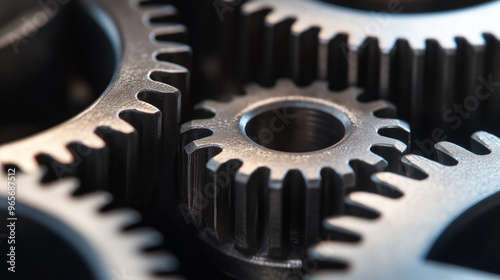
x: 395, y: 245
x: 279, y: 161
x: 136, y: 118
x: 98, y: 238
x: 423, y: 62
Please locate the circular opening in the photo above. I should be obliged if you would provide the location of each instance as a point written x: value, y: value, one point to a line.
x: 295, y: 129
x: 55, y: 60
x: 407, y: 6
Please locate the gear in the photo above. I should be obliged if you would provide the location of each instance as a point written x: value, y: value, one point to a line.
x: 279, y: 161
x: 423, y: 61
x: 99, y: 238
x: 395, y: 245
x: 126, y: 129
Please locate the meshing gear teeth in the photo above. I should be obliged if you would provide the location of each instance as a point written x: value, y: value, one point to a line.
x: 423, y: 62
x: 134, y: 121
x: 99, y: 238
x: 267, y: 167
x: 395, y: 245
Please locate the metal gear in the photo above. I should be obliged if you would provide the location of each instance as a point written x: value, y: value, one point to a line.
x: 135, y: 119
x: 395, y: 245
x: 266, y: 168
x: 421, y: 60
x: 99, y: 238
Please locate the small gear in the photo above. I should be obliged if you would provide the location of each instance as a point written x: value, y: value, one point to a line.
x: 421, y: 60
x: 135, y: 119
x: 267, y: 167
x: 99, y: 239
x: 395, y: 245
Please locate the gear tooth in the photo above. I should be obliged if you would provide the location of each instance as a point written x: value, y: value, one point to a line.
x: 273, y: 18
x: 487, y: 140
x: 125, y: 125
x: 373, y: 201
x: 391, y: 143
x: 199, y: 127
x: 348, y: 225
x: 252, y: 7
x: 422, y: 164
x: 378, y: 105
x: 206, y: 142
x: 122, y: 218
x: 402, y: 77
x: 369, y: 59
x: 215, y: 162
x: 393, y: 181
x: 446, y: 150
x: 276, y: 49
x: 438, y: 87
x: 144, y: 237
x: 352, y: 93
x: 395, y: 124
x: 93, y: 141
x: 171, y: 33
x: 400, y: 146
x: 303, y: 54
x: 338, y: 62
x: 208, y: 105
x: 250, y: 209
x: 333, y: 255
x: 378, y: 162
x: 95, y: 200
x: 160, y: 15
x: 177, y: 57
x: 161, y: 261
x: 346, y: 173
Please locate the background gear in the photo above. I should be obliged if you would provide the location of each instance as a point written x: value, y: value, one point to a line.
x: 279, y: 161
x: 401, y: 238
x: 94, y: 242
x: 426, y: 63
x: 134, y: 122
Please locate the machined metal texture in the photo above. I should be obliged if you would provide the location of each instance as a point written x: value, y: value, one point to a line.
x: 135, y: 121
x: 263, y: 170
x: 86, y: 242
x: 421, y: 60
x: 396, y: 244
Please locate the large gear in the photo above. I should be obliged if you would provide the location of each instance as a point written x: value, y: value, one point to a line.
x: 396, y: 244
x: 136, y: 118
x: 106, y: 249
x: 423, y: 61
x: 259, y: 172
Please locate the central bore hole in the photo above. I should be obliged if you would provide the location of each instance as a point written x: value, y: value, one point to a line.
x: 407, y: 6
x: 295, y: 130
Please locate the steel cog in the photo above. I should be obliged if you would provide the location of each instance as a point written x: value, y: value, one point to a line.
x: 98, y: 237
x: 423, y: 62
x: 239, y: 170
x: 395, y: 245
x: 126, y: 129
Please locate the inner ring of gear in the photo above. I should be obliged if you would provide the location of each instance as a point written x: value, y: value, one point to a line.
x: 261, y: 123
